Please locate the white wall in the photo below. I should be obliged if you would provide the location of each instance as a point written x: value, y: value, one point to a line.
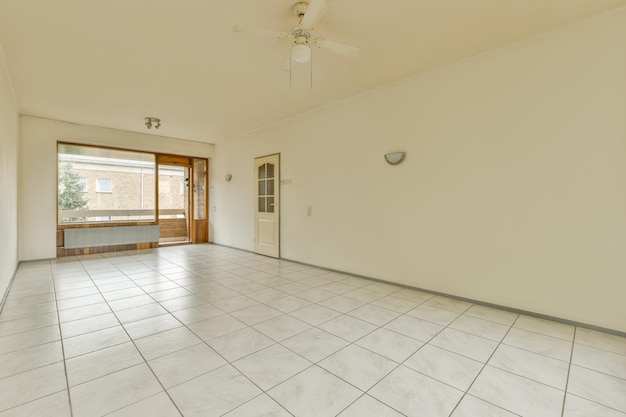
x: 38, y: 172
x: 513, y: 191
x: 8, y: 180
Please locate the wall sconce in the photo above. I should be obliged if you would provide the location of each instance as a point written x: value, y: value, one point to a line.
x: 394, y: 158
x: 152, y: 121
x: 228, y: 177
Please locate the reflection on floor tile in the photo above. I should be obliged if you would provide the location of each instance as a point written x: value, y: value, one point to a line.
x: 204, y: 330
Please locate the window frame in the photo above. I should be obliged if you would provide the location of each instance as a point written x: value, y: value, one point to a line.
x: 113, y: 223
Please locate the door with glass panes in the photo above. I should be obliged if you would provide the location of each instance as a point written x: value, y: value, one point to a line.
x: 267, y: 217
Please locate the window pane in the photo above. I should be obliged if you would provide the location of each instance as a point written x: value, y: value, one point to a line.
x: 270, y: 187
x: 261, y: 187
x: 270, y: 204
x: 199, y: 188
x: 104, y: 185
x: 262, y: 172
x: 261, y: 204
x: 270, y: 170
x: 124, y: 185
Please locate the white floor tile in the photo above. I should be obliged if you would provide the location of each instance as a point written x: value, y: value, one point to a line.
x: 433, y: 314
x: 600, y: 360
x: 315, y: 314
x: 90, y: 342
x: 216, y: 327
x: 282, y: 327
x: 28, y: 386
x: 376, y: 315
x: 197, y: 313
x: 24, y: 340
x: 442, y: 365
x: 30, y: 358
x: 55, y: 405
x: 358, y: 366
x: 347, y: 327
x: 367, y: 406
x: 158, y: 405
x: 315, y: 344
x: 545, y: 345
x: 271, y: 366
x: 314, y: 393
x: 152, y: 325
x: 414, y: 394
x: 474, y: 407
x: 545, y: 327
x: 241, y: 343
x: 174, y: 368
x: 261, y: 406
x: 480, y: 327
x: 101, y: 362
x: 472, y: 346
x: 579, y: 407
x: 531, y: 365
x: 417, y: 329
x: 390, y: 344
x: 214, y: 394
x: 604, y: 341
x: 255, y: 314
x: 160, y: 344
x: 113, y: 392
x: 517, y: 394
x: 597, y: 387
x: 342, y: 304
x: 506, y: 318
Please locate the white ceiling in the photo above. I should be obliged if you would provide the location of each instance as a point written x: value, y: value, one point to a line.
x: 112, y: 62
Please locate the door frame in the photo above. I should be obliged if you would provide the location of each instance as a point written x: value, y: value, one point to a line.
x: 277, y: 201
x: 187, y: 162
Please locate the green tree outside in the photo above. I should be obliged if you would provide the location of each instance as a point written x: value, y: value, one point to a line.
x: 71, y: 196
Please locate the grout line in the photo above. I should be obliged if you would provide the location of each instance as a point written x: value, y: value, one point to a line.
x: 67, y: 381
x: 246, y: 265
x: 483, y: 368
x: 569, y: 368
x: 134, y: 344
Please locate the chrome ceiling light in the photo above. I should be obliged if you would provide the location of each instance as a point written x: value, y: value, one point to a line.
x: 152, y: 121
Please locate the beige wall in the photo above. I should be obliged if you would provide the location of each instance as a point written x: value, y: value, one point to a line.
x: 513, y: 191
x: 38, y: 172
x: 8, y: 180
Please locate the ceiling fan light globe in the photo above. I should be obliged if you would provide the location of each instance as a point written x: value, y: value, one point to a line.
x: 300, y: 53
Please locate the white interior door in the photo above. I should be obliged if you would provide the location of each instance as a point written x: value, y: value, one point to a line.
x: 267, y: 216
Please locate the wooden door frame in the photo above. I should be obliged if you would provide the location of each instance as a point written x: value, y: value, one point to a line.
x: 187, y: 162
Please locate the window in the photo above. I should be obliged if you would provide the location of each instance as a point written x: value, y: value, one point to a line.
x: 133, y: 199
x: 103, y: 185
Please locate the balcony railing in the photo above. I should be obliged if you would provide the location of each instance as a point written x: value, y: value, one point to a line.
x: 103, y: 216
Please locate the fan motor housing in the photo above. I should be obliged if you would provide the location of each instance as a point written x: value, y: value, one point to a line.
x: 299, y: 9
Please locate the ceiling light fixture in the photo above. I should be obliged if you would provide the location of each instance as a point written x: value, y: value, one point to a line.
x: 152, y: 121
x: 300, y: 51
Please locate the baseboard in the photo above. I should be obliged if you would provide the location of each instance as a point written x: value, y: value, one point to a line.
x: 470, y: 300
x: 6, y: 292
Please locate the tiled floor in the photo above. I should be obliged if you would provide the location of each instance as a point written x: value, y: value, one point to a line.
x: 207, y: 331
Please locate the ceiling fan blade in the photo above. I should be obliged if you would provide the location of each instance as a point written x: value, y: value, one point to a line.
x: 314, y: 12
x: 260, y: 31
x: 338, y: 48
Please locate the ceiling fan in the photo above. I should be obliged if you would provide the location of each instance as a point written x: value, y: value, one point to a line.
x: 308, y: 15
